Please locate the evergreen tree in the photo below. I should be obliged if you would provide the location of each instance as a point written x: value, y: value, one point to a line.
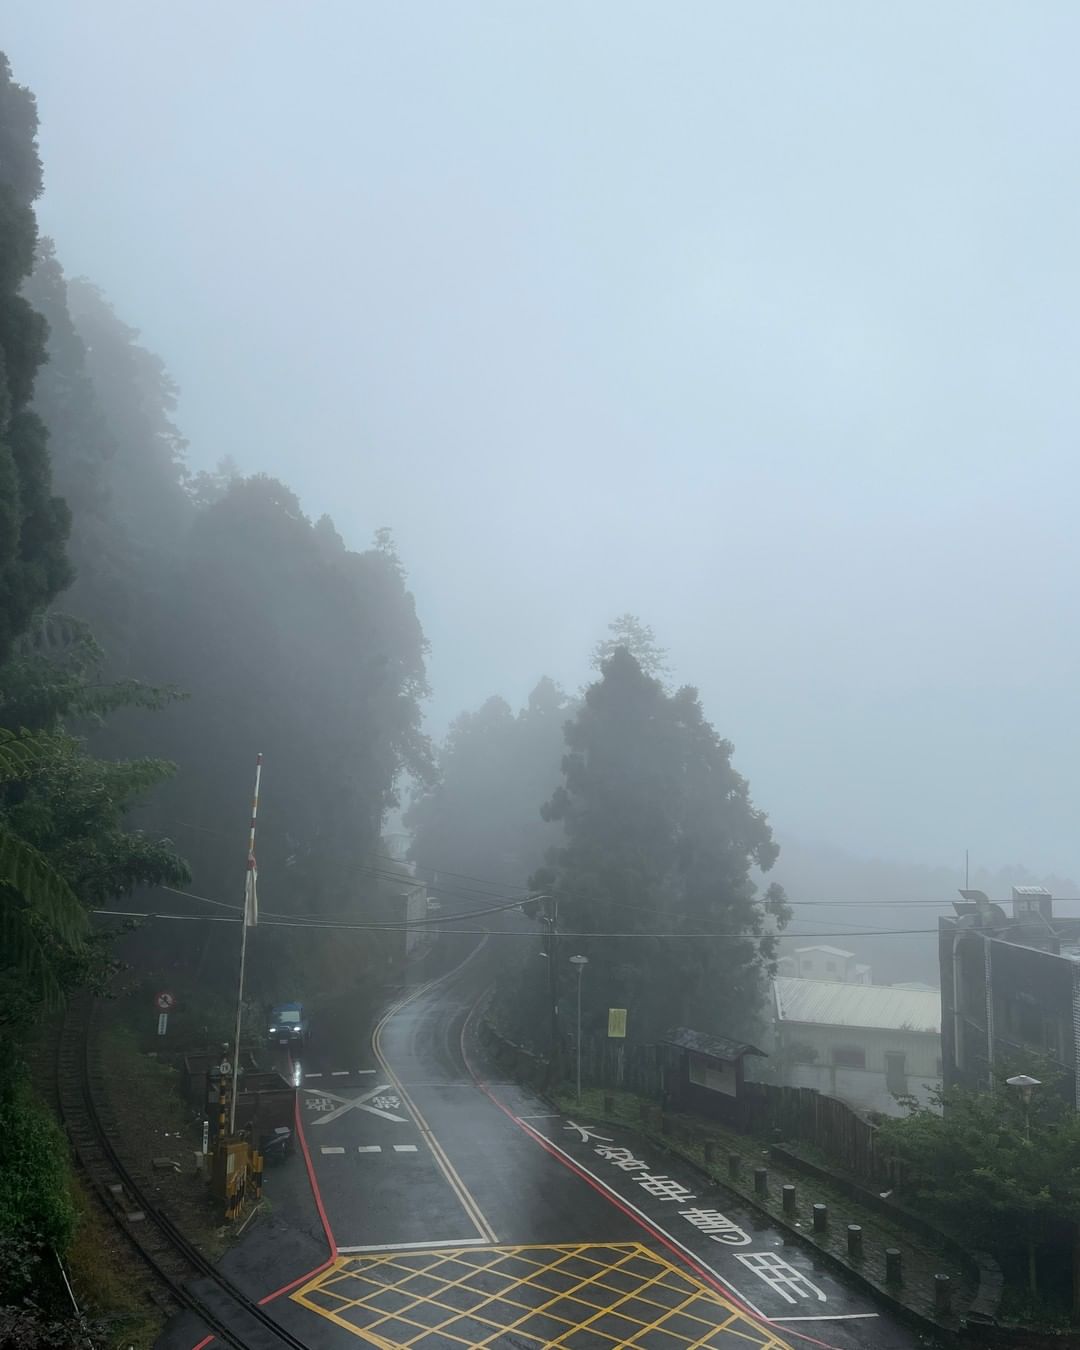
x: 33, y: 522
x: 482, y: 819
x: 629, y: 633
x: 661, y: 838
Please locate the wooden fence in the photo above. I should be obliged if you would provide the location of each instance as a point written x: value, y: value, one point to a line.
x: 773, y: 1112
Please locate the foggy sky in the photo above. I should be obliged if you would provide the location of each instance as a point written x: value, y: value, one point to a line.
x: 760, y: 321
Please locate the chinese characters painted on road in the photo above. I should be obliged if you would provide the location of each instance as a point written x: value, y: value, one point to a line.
x: 718, y: 1227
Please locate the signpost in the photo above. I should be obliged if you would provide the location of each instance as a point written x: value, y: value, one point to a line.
x: 616, y: 1023
x: 163, y: 1002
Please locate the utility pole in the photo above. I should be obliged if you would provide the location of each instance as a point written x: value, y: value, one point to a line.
x: 581, y: 962
x: 553, y: 981
x: 251, y: 918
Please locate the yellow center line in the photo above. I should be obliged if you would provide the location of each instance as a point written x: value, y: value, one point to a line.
x: 445, y: 1166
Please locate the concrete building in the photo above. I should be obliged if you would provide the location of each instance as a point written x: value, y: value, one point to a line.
x: 1010, y: 989
x: 861, y: 1043
x: 825, y: 963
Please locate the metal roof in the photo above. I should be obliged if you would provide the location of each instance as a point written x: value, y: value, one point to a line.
x: 821, y: 947
x: 715, y: 1047
x: 830, y: 1003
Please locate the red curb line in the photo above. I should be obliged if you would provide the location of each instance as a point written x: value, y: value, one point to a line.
x: 682, y: 1256
x: 317, y: 1195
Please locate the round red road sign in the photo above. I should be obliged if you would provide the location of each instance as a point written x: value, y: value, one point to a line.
x: 164, y: 1002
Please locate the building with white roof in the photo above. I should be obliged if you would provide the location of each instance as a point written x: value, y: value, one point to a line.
x: 866, y: 1044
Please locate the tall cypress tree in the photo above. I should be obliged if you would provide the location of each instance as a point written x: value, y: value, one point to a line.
x: 34, y: 524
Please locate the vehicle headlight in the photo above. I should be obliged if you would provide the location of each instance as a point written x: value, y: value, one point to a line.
x: 272, y: 1030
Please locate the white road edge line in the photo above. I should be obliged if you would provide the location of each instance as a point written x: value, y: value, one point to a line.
x: 834, y: 1317
x: 551, y: 1115
x: 329, y: 1148
x: 648, y: 1221
x: 651, y: 1223
x: 414, y: 1246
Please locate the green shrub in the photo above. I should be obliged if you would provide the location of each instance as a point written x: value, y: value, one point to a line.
x: 36, y: 1207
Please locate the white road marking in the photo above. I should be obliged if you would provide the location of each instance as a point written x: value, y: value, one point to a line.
x: 365, y: 1071
x: 370, y: 1148
x: 363, y: 1103
x: 339, y: 1073
x: 649, y: 1222
x: 329, y: 1149
x: 549, y: 1116
x: 415, y: 1246
x: 404, y: 1148
x: 781, y: 1277
x: 827, y: 1317
x: 313, y: 1075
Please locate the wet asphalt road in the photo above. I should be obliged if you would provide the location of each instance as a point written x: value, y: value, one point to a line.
x: 464, y: 1212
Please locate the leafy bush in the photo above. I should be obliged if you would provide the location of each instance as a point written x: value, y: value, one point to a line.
x: 36, y: 1208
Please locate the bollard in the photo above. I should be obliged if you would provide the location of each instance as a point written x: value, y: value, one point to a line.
x: 710, y: 1153
x: 942, y: 1295
x: 609, y: 1104
x: 854, y: 1241
x: 788, y: 1193
x: 761, y: 1180
x: 821, y: 1218
x: 894, y: 1266
x: 733, y: 1162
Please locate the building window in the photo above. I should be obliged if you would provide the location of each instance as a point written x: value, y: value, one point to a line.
x: 895, y: 1071
x: 849, y: 1057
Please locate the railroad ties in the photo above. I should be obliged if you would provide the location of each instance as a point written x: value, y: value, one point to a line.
x: 185, y: 1278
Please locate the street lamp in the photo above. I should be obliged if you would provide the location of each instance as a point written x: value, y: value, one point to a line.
x: 1027, y: 1085
x: 581, y: 962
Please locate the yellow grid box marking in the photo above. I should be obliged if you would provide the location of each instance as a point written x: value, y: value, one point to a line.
x: 567, y: 1296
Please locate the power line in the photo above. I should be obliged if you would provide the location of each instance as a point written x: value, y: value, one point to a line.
x: 498, y: 932
x: 317, y: 919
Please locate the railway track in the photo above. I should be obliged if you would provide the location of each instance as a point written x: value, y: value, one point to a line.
x: 186, y: 1278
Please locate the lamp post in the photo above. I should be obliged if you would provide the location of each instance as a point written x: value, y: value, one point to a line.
x: 581, y: 962
x: 1027, y: 1085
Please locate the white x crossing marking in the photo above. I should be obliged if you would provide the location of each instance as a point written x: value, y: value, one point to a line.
x: 361, y: 1103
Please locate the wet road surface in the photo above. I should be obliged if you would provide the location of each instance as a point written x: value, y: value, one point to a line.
x: 463, y: 1212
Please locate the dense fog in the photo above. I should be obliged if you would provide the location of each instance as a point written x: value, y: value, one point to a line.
x: 395, y: 354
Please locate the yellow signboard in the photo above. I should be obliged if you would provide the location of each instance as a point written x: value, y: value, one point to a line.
x: 616, y: 1022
